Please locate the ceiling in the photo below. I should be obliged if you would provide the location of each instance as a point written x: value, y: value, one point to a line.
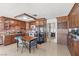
x: 47, y: 10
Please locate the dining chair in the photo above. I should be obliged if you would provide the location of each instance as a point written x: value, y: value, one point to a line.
x: 27, y: 44
x: 20, y: 42
x: 32, y: 44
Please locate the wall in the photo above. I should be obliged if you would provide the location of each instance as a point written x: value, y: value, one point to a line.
x: 53, y: 27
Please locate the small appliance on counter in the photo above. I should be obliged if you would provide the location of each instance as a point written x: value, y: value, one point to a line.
x: 72, y: 30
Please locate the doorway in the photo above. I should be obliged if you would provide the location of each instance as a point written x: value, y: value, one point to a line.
x: 51, y: 29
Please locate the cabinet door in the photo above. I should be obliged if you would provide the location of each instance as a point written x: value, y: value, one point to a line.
x: 37, y: 23
x: 41, y: 22
x: 77, y: 21
x: 13, y: 39
x: 6, y: 25
x: 70, y: 21
x: 23, y: 25
x: 27, y: 26
x: 73, y: 21
x: 7, y: 40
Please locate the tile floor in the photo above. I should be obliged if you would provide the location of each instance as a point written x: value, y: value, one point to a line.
x: 47, y: 49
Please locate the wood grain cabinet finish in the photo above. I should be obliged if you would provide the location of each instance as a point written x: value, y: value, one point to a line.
x: 74, y: 21
x: 16, y: 25
x: 8, y: 40
x: 10, y: 25
x: 73, y: 46
x: 73, y: 16
x: 27, y: 26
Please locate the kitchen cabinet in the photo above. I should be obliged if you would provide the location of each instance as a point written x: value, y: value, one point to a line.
x: 27, y: 26
x: 1, y: 26
x: 77, y: 21
x: 41, y: 22
x: 8, y: 40
x: 73, y: 21
x: 11, y: 27
x: 73, y: 46
x: 74, y: 16
x: 13, y: 39
x: 38, y: 22
x: 23, y: 25
x: 6, y: 24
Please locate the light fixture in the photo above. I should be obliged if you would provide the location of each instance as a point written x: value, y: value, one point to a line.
x: 25, y: 17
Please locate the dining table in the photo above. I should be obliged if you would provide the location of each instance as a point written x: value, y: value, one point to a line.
x: 29, y: 39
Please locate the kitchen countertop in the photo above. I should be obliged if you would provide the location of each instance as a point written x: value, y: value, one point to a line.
x: 74, y: 37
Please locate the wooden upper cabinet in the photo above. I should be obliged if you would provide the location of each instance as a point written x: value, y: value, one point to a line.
x: 23, y: 25
x: 1, y: 24
x: 27, y: 26
x: 32, y: 23
x: 37, y: 23
x: 41, y: 22
x: 62, y: 22
x: 69, y: 19
x: 74, y: 16
x: 77, y: 20
x: 10, y: 23
x: 73, y: 21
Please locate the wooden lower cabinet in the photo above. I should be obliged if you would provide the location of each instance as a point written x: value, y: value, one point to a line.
x: 76, y: 48
x: 13, y: 38
x: 9, y: 39
x: 73, y: 46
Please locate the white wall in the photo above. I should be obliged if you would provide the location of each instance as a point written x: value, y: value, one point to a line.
x: 53, y: 21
